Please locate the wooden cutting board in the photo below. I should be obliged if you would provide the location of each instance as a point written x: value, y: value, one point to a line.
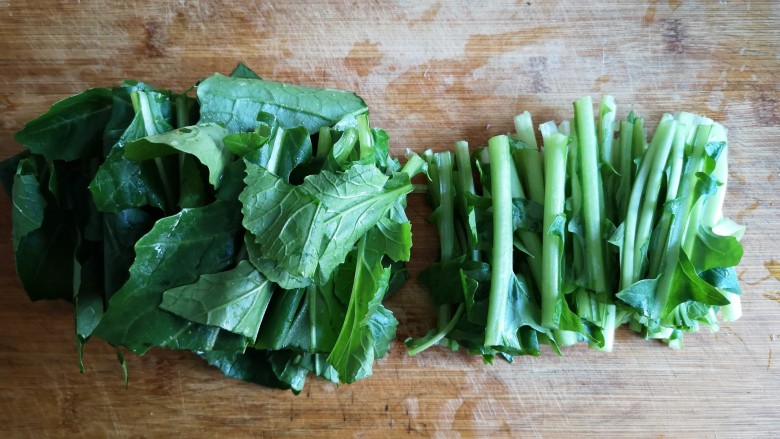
x: 432, y: 73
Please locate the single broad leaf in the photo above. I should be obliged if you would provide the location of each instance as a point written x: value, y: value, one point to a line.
x: 8, y: 170
x: 121, y: 231
x: 723, y: 278
x: 204, y: 141
x: 335, y: 210
x: 269, y: 268
x: 251, y: 366
x: 353, y: 206
x: 382, y: 325
x: 276, y: 213
x: 711, y: 250
x: 356, y: 348
x: 193, y: 189
x: 177, y: 250
x: 242, y: 143
x: 688, y: 286
x: 44, y: 257
x: 234, y: 300
x: 28, y: 202
x: 641, y: 297
x: 522, y: 322
x: 72, y: 128
x: 242, y: 71
x: 121, y: 183
x: 393, y: 238
x: 235, y: 102
x: 286, y: 150
x: 382, y: 322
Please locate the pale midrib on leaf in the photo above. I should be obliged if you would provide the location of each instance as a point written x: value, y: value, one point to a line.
x: 366, y: 204
x: 69, y: 121
x: 287, y: 107
x: 208, y: 311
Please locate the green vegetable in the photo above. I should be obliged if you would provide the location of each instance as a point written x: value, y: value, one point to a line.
x: 501, y: 259
x: 261, y: 225
x: 235, y: 102
x: 334, y: 209
x: 202, y: 141
x: 72, y: 129
x: 175, y: 252
x: 239, y: 308
x: 228, y: 235
x: 632, y: 233
x: 555, y: 145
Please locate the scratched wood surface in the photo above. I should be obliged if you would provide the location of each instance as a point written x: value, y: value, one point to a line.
x: 432, y: 73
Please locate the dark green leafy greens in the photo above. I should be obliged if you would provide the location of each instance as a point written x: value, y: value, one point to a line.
x: 236, y: 101
x: 260, y: 225
x: 240, y: 307
x: 631, y: 232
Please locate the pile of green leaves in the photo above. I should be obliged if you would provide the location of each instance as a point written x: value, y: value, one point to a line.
x: 259, y: 224
x: 598, y: 228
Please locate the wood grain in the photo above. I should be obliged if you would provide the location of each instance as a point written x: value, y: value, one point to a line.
x: 432, y: 73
